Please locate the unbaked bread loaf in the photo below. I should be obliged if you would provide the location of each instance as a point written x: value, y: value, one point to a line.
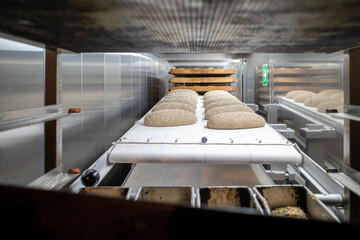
x: 216, y: 93
x: 235, y: 120
x: 329, y: 92
x: 219, y: 99
x: 174, y: 105
x: 183, y: 95
x: 222, y: 103
x: 338, y: 95
x: 189, y: 101
x: 170, y: 117
x: 314, y: 101
x: 228, y: 108
x: 182, y: 91
x: 185, y: 92
x: 337, y: 105
x: 294, y: 93
x: 303, y: 96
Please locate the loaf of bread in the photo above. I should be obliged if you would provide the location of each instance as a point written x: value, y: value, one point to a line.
x: 314, y: 101
x: 235, y: 120
x: 294, y: 93
x: 170, y: 117
x: 329, y: 92
x: 184, y: 91
x: 222, y: 103
x: 189, y: 101
x: 331, y: 105
x: 303, y: 96
x: 338, y: 96
x: 219, y: 99
x: 215, y: 93
x: 228, y: 108
x: 174, y: 105
x: 182, y: 95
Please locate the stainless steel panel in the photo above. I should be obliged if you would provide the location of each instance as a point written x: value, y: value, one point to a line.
x: 112, y: 102
x: 126, y: 116
x: 93, y: 134
x: 70, y: 74
x: 153, y: 81
x: 21, y: 87
x: 22, y: 154
x: 135, y: 87
x: 113, y: 90
x: 21, y: 79
x: 143, y: 83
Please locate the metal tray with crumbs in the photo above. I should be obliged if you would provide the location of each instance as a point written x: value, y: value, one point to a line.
x: 184, y: 195
x: 229, y: 197
x: 113, y: 192
x: 280, y: 196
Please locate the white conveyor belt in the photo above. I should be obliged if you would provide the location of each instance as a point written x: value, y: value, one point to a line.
x: 183, y: 144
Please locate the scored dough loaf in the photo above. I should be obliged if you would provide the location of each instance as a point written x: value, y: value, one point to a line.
x: 236, y: 120
x: 219, y: 99
x: 228, y: 108
x: 216, y: 93
x: 170, y: 117
x: 329, y: 92
x: 222, y: 103
x: 174, y: 105
x: 338, y: 95
x: 183, y: 95
x: 294, y: 93
x: 183, y: 91
x: 189, y: 101
x: 314, y: 101
x: 322, y: 107
x: 303, y: 96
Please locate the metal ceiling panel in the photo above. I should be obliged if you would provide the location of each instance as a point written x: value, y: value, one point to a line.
x: 186, y: 26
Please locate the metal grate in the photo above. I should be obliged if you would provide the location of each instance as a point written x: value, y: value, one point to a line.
x: 186, y: 26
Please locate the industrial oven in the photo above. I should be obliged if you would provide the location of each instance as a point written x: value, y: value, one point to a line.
x: 75, y: 94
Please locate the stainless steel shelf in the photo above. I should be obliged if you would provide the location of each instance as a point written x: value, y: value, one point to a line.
x: 25, y: 117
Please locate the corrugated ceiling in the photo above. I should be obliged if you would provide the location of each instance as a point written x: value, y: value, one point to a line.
x: 186, y: 26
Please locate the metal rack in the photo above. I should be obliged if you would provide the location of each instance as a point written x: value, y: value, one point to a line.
x: 203, y: 79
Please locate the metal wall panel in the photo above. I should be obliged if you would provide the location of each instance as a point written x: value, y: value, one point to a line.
x: 135, y: 86
x: 70, y: 75
x: 93, y: 144
x: 22, y: 154
x: 112, y: 102
x: 143, y: 83
x: 153, y: 81
x: 21, y: 87
x: 21, y: 79
x: 126, y: 101
x: 113, y: 90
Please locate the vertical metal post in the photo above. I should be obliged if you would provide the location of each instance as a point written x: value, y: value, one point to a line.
x: 352, y: 131
x: 50, y: 99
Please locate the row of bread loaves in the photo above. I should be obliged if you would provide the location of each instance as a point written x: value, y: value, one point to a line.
x: 325, y: 99
x: 224, y: 111
x: 177, y: 108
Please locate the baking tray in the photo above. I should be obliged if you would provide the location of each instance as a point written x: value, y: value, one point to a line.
x: 233, y: 197
x: 275, y: 196
x: 113, y: 192
x: 183, y: 195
